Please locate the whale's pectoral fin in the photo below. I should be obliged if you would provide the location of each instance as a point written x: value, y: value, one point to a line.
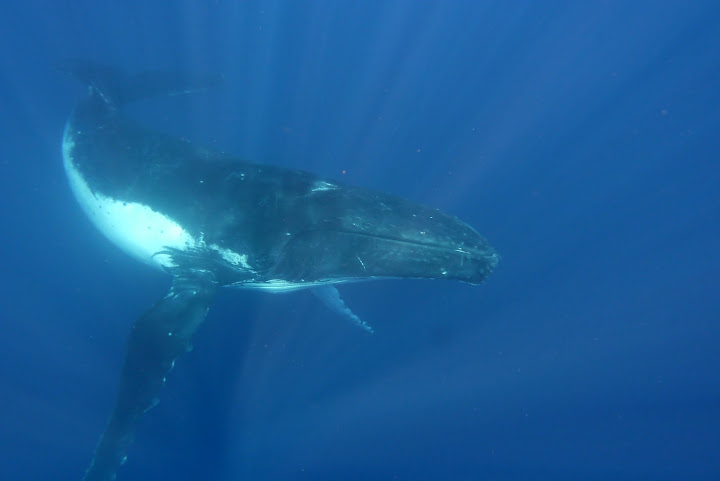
x: 158, y: 338
x: 330, y: 296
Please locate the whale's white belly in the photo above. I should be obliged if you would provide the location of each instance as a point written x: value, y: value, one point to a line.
x: 137, y: 229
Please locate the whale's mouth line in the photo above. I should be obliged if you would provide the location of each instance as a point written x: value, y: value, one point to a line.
x: 449, y: 249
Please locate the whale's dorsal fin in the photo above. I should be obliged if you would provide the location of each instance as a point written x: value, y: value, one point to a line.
x: 118, y: 88
x: 330, y: 296
x: 158, y: 338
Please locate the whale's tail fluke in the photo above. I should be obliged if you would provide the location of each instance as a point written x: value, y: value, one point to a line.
x: 118, y: 88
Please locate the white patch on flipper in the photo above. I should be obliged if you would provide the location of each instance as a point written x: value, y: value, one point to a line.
x: 278, y: 285
x: 232, y: 257
x: 330, y: 296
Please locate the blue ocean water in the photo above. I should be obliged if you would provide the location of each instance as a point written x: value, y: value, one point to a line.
x: 582, y: 138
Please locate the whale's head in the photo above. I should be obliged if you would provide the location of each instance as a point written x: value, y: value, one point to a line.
x: 346, y: 234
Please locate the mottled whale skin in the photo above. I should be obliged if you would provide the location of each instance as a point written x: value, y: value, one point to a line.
x: 211, y: 220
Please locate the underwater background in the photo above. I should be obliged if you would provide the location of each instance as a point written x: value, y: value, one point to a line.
x: 581, y: 138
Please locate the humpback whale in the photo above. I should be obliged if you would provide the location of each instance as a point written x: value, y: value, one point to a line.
x: 210, y: 220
